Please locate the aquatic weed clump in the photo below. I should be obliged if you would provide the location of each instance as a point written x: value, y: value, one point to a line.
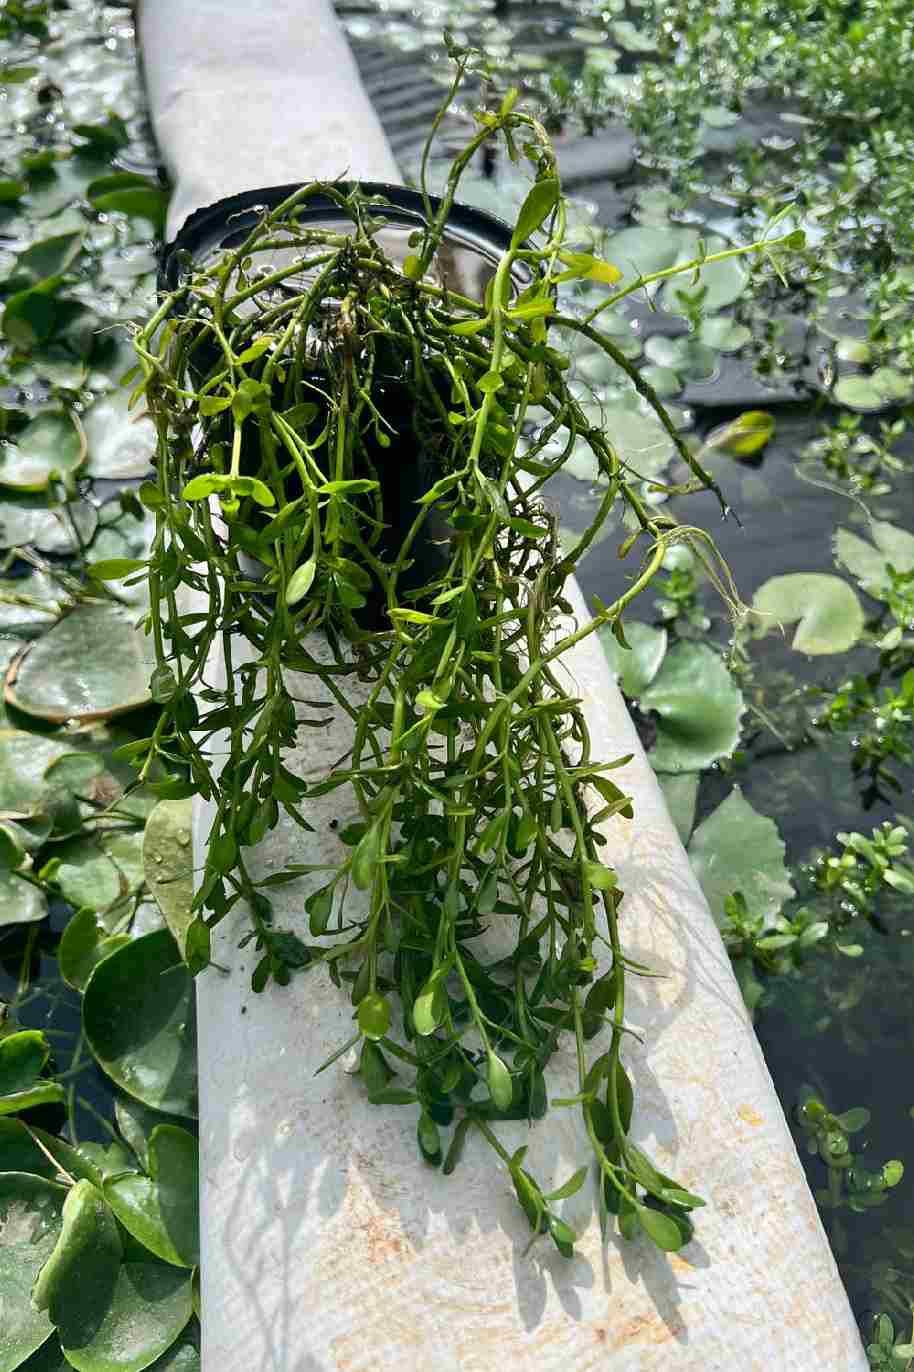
x: 287, y: 400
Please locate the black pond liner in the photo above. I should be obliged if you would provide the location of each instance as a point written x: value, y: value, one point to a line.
x: 465, y: 260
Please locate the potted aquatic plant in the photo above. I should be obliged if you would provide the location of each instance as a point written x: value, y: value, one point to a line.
x: 360, y: 393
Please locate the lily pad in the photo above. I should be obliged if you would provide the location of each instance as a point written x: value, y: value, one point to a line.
x: 50, y: 443
x: 98, y: 871
x: 121, y: 443
x: 24, y: 759
x: 869, y: 564
x: 737, y: 849
x: 859, y: 393
x: 638, y: 439
x: 636, y: 666
x: 168, y: 863
x: 698, y: 708
x: 138, y: 1015
x: 686, y: 356
x: 22, y: 1057
x: 30, y: 1221
x: 723, y: 334
x: 137, y: 1122
x: 124, y: 536
x: 77, y: 1282
x: 29, y: 522
x: 20, y: 901
x: 826, y: 610
x: 681, y: 794
x: 84, y: 944
x: 160, y: 1210
x: 150, y: 1306
x: 29, y: 605
x: 91, y: 665
x: 664, y: 380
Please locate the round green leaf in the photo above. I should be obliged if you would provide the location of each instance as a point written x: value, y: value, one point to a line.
x: 698, y: 709
x: 121, y: 442
x: 27, y: 521
x: 723, y: 334
x: 638, y: 438
x: 76, y: 1284
x: 637, y: 665
x: 737, y: 849
x: 91, y: 665
x: 20, y: 901
x: 859, y: 393
x: 138, y: 1015
x: 50, y: 443
x: 98, y: 871
x: 168, y: 863
x: 160, y: 1210
x: 136, y: 1122
x: 22, y: 1056
x: 870, y: 565
x: 149, y: 1308
x: 84, y: 944
x: 686, y: 356
x: 826, y: 610
x: 681, y: 793
x: 30, y: 1220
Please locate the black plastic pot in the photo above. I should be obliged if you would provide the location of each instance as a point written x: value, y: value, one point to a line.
x: 465, y: 262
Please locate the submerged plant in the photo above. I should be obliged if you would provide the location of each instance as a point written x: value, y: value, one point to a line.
x: 284, y: 397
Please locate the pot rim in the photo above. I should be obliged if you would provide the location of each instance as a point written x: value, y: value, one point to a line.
x: 209, y: 225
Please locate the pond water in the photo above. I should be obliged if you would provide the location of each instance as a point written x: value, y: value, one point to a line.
x: 840, y: 1023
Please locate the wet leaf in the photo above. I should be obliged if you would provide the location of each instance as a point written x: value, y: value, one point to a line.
x: 131, y: 194
x: 93, y: 664
x: 85, y: 942
x: 149, y: 1308
x: 686, y: 356
x: 28, y: 521
x: 97, y: 871
x: 737, y: 849
x: 22, y: 1057
x: 76, y: 1284
x: 698, y: 708
x: 20, y: 902
x: 49, y: 443
x: 125, y: 536
x: 536, y: 209
x: 121, y: 442
x: 30, y: 1209
x: 870, y: 564
x: 136, y: 1122
x: 639, y: 439
x: 636, y: 666
x: 168, y: 863
x: 723, y: 334
x: 826, y: 611
x: 160, y: 1210
x: 681, y: 794
x: 138, y: 1015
